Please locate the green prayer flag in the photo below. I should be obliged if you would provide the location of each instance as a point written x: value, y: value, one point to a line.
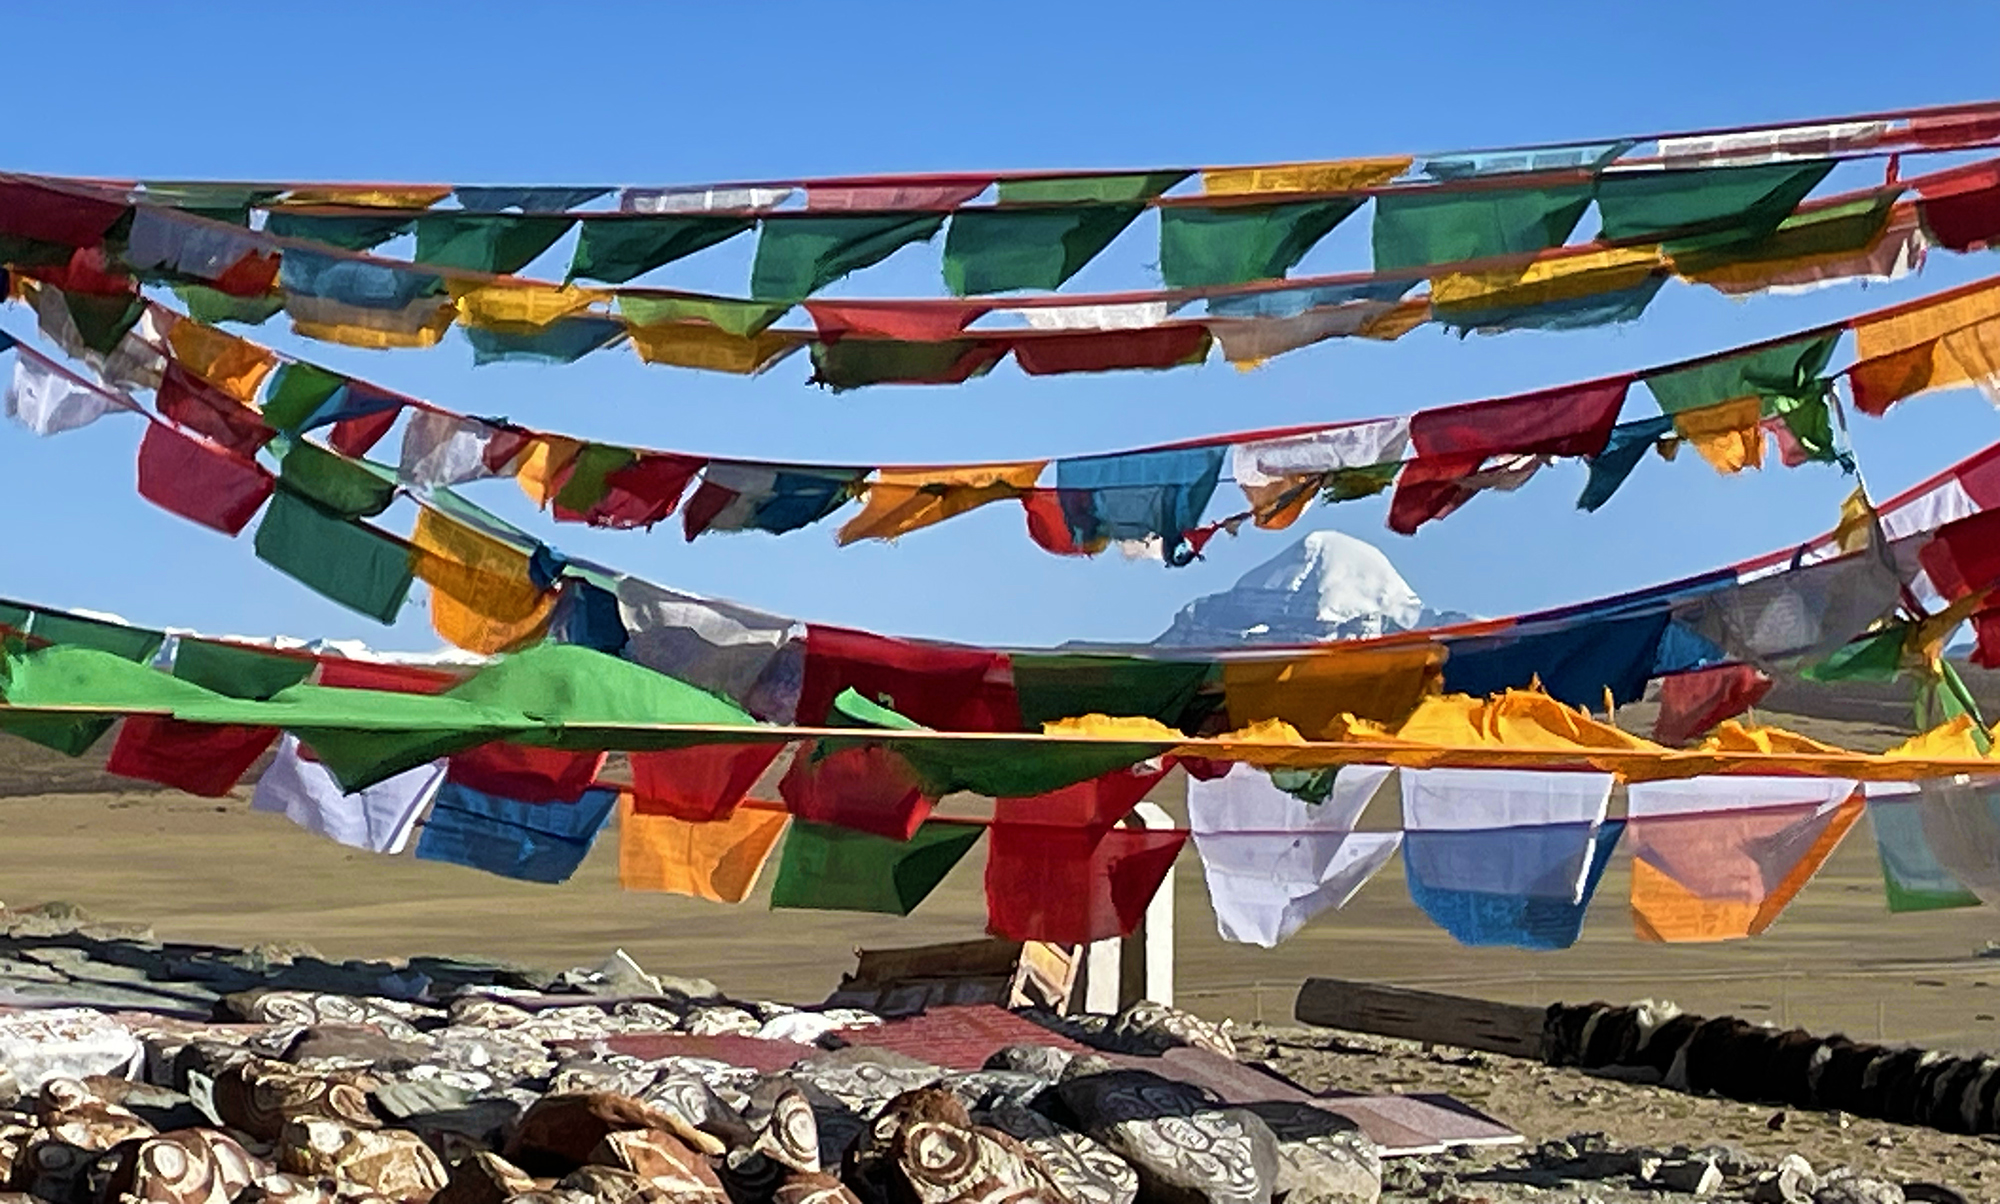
x: 72, y: 735
x: 1078, y: 190
x: 296, y: 393
x: 560, y: 684
x: 614, y: 249
x: 1787, y: 367
x: 486, y: 242
x: 359, y: 233
x: 1835, y: 230
x: 829, y: 868
x: 1810, y: 420
x: 799, y: 254
x: 1234, y: 244
x: 361, y: 568
x: 1350, y: 484
x: 209, y: 305
x: 338, y: 485
x: 102, y: 320
x: 586, y: 484
x: 1061, y: 686
x: 740, y: 318
x: 1874, y: 657
x: 996, y: 250
x: 1643, y: 205
x: 1422, y: 227
x: 238, y: 671
x: 855, y: 363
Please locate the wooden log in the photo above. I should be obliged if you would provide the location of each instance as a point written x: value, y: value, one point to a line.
x: 1361, y: 1007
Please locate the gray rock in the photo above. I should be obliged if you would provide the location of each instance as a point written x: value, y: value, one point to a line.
x: 721, y: 1020
x: 357, y: 1045
x: 1792, y: 1181
x: 1185, y: 1148
x: 1043, y: 1061
x: 1085, y: 1171
x: 406, y: 1099
x: 979, y: 1090
x: 1859, y: 1189
x: 1328, y: 1173
x: 1148, y: 1027
x: 1695, y: 1176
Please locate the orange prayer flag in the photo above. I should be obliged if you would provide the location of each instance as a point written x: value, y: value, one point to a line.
x: 541, y: 470
x: 718, y: 860
x: 898, y: 502
x: 235, y: 366
x: 1314, y: 690
x: 1729, y: 436
x: 482, y: 597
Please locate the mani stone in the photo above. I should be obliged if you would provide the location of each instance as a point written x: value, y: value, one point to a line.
x: 558, y: 1132
x: 193, y: 1166
x: 392, y: 1162
x: 1186, y: 1148
x: 483, y: 1178
x: 1085, y: 1171
x: 261, y: 1098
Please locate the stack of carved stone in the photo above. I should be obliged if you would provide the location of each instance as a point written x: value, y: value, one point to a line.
x: 1656, y: 1043
x: 299, y: 1098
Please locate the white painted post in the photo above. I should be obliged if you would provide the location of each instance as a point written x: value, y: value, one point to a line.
x: 1149, y: 963
x: 1101, y: 973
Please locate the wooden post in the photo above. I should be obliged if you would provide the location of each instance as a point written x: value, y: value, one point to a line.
x: 1120, y: 972
x: 1360, y: 1007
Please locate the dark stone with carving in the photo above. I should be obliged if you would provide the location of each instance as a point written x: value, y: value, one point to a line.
x: 483, y: 1178
x: 1185, y: 1148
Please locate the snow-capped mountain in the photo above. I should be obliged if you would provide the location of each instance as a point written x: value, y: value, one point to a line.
x: 1327, y: 586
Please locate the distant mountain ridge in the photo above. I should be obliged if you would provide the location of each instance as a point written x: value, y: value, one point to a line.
x: 1327, y: 586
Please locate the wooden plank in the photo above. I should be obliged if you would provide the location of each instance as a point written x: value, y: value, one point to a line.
x: 1361, y: 1007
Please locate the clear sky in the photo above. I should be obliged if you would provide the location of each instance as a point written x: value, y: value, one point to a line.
x: 659, y: 94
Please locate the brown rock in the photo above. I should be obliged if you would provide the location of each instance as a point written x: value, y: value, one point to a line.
x: 609, y: 1185
x: 558, y: 1132
x: 484, y: 1178
x: 870, y: 1162
x: 393, y: 1162
x: 261, y: 1098
x: 354, y: 1043
x: 69, y: 1112
x: 190, y: 1166
x: 662, y: 1159
x: 808, y: 1187
x: 939, y: 1163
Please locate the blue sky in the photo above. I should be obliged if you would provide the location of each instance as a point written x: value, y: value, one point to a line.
x: 660, y: 94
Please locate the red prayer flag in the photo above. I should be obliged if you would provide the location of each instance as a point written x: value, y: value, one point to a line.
x: 1961, y: 209
x: 700, y: 783
x: 1047, y: 526
x: 1166, y: 346
x: 356, y: 436
x: 342, y: 673
x: 1963, y: 556
x: 1098, y: 803
x: 51, y: 215
x: 1071, y: 886
x: 188, y: 400
x: 1955, y: 129
x: 87, y: 271
x: 938, y: 685
x: 898, y: 193
x: 639, y: 494
x: 906, y: 321
x: 203, y: 759
x: 865, y: 787
x: 1692, y: 703
x: 527, y: 773
x: 200, y: 481
x: 1986, y: 629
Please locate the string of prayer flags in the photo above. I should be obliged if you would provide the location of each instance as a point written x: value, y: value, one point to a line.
x: 1719, y: 859
x: 1272, y: 861
x: 718, y: 860
x: 527, y: 841
x: 827, y: 868
x: 1498, y: 857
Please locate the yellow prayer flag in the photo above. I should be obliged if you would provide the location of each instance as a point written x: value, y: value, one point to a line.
x: 1112, y: 727
x: 233, y: 365
x: 1336, y: 175
x: 1856, y: 528
x: 1729, y: 436
x: 540, y: 470
x: 1314, y: 691
x: 422, y: 323
x: 898, y: 502
x: 1731, y: 736
x: 700, y: 345
x: 1951, y: 343
x: 482, y: 597
x: 1886, y: 336
x: 402, y: 196
x: 520, y: 306
x: 718, y: 860
x: 1407, y: 316
x: 1951, y: 741
x: 1564, y: 277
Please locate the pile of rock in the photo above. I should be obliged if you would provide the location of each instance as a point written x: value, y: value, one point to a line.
x: 1757, y: 1063
x: 485, y: 1094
